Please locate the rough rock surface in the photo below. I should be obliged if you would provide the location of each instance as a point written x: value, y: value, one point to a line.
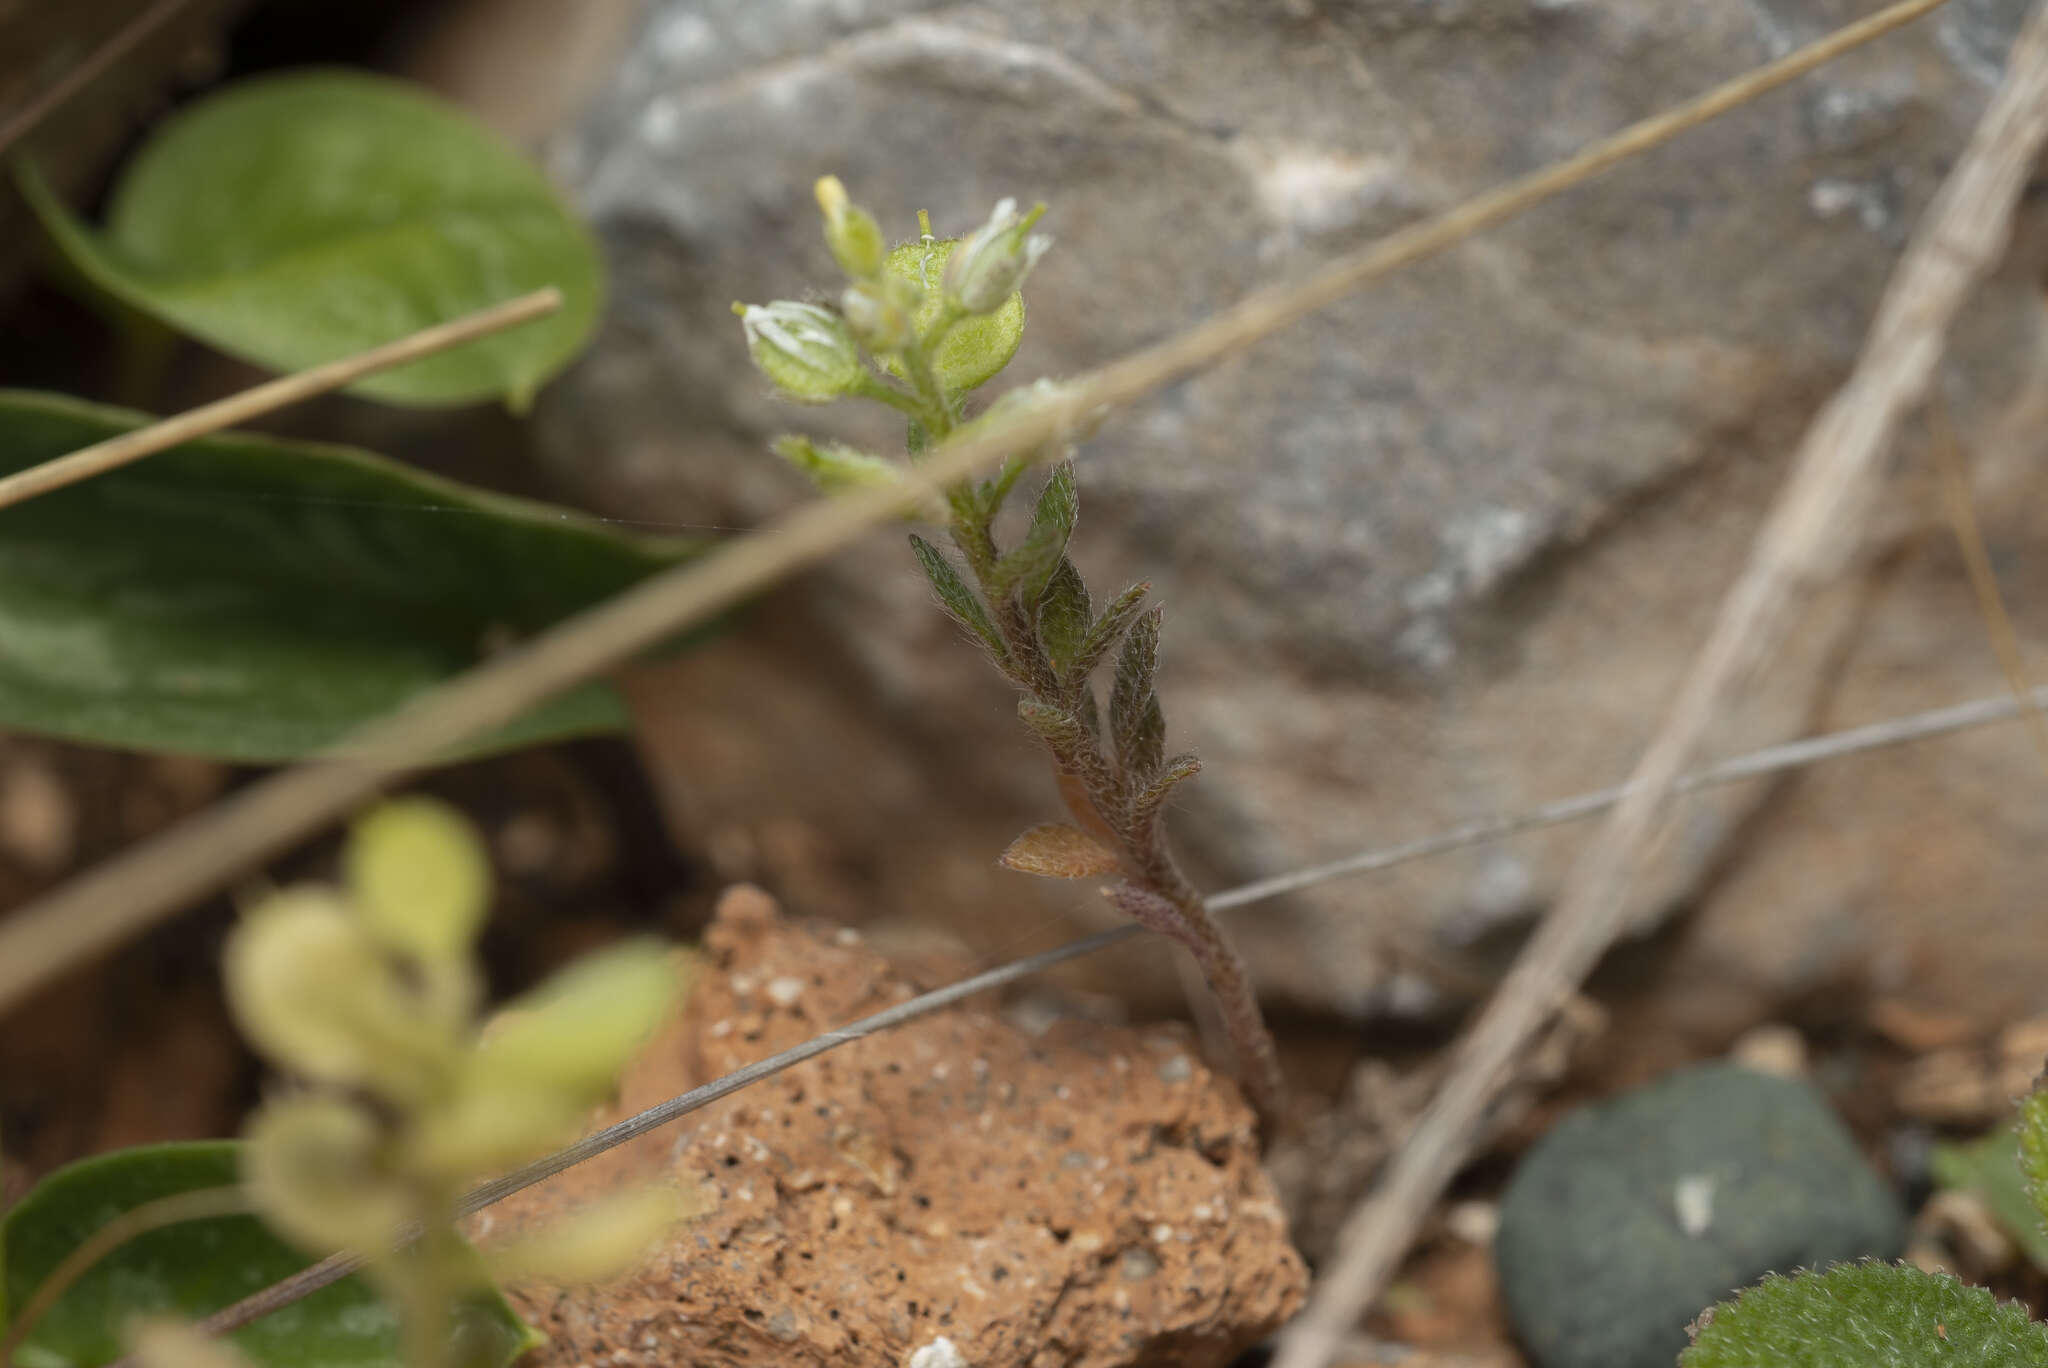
x: 1086, y: 1197
x: 1441, y: 551
x: 1631, y: 1217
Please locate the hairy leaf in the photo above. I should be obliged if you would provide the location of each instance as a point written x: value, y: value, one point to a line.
x: 256, y: 599
x: 1870, y: 1315
x: 1145, y: 807
x: 1030, y: 567
x: 958, y: 599
x: 1058, y: 851
x: 1069, y: 740
x: 290, y: 220
x: 1108, y: 630
x: 1063, y: 615
x: 197, y: 1267
x: 1131, y: 703
x: 1990, y: 1167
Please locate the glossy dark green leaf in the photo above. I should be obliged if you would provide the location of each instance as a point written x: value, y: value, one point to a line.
x: 294, y: 219
x: 196, y: 1267
x: 256, y: 599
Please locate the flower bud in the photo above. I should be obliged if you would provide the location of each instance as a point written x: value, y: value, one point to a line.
x: 805, y: 351
x: 992, y: 261
x: 577, y: 1032
x: 313, y: 1169
x: 312, y: 991
x: 876, y: 316
x: 850, y: 231
x: 419, y: 881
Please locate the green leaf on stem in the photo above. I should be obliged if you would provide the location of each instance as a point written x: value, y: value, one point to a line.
x: 958, y: 599
x: 1030, y: 567
x: 197, y: 1267
x: 256, y: 600
x: 1130, y: 696
x: 1145, y: 807
x: 1108, y: 630
x: 295, y: 219
x: 1990, y: 1167
x: 1063, y: 615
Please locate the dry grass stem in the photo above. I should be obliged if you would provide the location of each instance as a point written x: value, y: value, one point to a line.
x: 124, y: 41
x: 1962, y: 518
x: 202, y: 853
x: 268, y: 397
x: 1812, y: 527
x: 1772, y: 760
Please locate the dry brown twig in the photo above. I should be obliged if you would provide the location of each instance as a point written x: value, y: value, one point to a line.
x: 201, y: 853
x: 270, y: 396
x: 1953, y: 467
x: 1777, y: 759
x: 24, y: 120
x: 1812, y: 528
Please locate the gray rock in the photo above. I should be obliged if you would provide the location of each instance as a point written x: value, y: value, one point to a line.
x: 1631, y: 1217
x: 1437, y: 553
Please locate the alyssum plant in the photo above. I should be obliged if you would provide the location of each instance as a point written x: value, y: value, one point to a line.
x: 918, y: 328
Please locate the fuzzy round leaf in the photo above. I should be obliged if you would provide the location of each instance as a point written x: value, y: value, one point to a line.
x: 977, y: 348
x: 1870, y: 1315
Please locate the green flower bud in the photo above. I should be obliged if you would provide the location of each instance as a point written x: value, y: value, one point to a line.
x: 418, y: 878
x: 992, y: 261
x: 805, y: 351
x: 850, y: 231
x: 878, y: 319
x: 974, y: 349
x: 313, y: 992
x: 314, y: 1169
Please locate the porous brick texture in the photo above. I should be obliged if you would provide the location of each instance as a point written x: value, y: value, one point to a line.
x: 1088, y: 1196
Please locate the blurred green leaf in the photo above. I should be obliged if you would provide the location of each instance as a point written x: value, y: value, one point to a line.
x: 295, y: 219
x: 197, y: 1267
x: 1990, y: 1167
x: 256, y: 599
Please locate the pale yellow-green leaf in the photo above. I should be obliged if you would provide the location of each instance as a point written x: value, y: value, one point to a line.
x: 579, y: 1030
x: 419, y: 878
x: 597, y: 1241
x: 316, y: 1171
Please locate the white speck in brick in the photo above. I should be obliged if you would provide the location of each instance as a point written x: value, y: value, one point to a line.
x: 1162, y: 1233
x: 846, y: 935
x: 940, y: 1353
x: 721, y: 1028
x: 784, y: 991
